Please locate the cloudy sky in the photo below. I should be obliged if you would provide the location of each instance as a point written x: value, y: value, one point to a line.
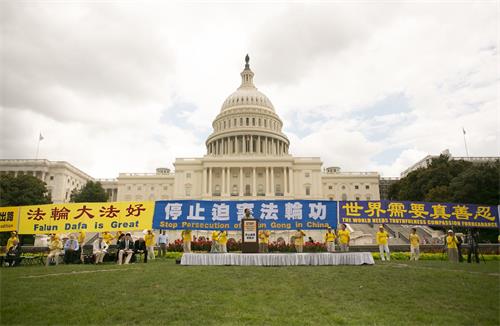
x: 127, y: 87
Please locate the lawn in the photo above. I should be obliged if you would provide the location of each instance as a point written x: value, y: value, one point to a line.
x: 161, y: 292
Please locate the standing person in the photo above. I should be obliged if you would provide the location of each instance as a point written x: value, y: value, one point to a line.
x: 108, y: 237
x: 149, y: 238
x: 264, y: 241
x: 55, y: 247
x: 81, y: 243
x: 10, y: 242
x: 383, y: 245
x: 70, y: 250
x: 99, y: 249
x: 162, y: 243
x: 460, y: 240
x: 344, y: 238
x: 414, y: 245
x: 330, y: 240
x: 186, y: 240
x: 223, y: 241
x: 248, y: 213
x: 299, y: 240
x: 451, y: 243
x: 125, y: 246
x: 214, y: 248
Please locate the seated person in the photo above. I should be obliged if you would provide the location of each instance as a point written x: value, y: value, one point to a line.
x: 125, y: 246
x: 71, y: 253
x: 140, y: 248
x: 13, y: 256
x: 100, y: 248
x: 55, y: 247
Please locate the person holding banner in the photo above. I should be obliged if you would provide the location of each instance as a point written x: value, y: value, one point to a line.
x: 330, y: 240
x: 223, y: 241
x: 186, y: 240
x: 451, y: 243
x: 10, y: 241
x: 214, y: 248
x: 55, y: 247
x: 264, y: 241
x: 344, y: 238
x: 299, y: 240
x: 149, y: 238
x: 383, y: 245
x: 99, y: 249
x: 414, y: 245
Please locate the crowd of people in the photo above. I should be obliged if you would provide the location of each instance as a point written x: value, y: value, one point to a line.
x: 71, y: 248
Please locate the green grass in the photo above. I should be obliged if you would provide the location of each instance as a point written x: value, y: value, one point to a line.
x: 160, y: 292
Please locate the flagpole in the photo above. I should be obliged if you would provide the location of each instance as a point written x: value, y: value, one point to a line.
x: 465, y: 142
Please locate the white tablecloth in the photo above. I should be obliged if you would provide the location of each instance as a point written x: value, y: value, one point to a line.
x: 279, y: 259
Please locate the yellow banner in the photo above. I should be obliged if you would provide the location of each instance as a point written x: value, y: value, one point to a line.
x: 8, y: 218
x: 88, y: 217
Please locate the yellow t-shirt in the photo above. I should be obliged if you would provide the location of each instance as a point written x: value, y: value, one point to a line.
x: 149, y: 239
x: 299, y: 238
x: 344, y: 236
x: 451, y: 241
x: 81, y: 237
x: 56, y: 244
x: 414, y: 240
x: 215, y: 236
x: 10, y: 242
x: 223, y: 238
x: 108, y: 237
x: 264, y: 237
x: 382, y: 237
x: 330, y: 236
x: 186, y: 235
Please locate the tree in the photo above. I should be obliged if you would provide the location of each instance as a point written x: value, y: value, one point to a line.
x: 90, y: 193
x: 454, y: 181
x: 23, y: 190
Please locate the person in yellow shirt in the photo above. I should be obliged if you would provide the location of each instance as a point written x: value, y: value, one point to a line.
x: 107, y: 237
x: 81, y: 243
x: 10, y: 242
x: 223, y: 241
x: 55, y: 249
x: 330, y: 240
x: 451, y: 243
x: 264, y: 241
x: 299, y: 240
x: 414, y: 245
x: 186, y: 240
x: 383, y: 245
x: 214, y: 248
x: 344, y: 238
x: 149, y: 238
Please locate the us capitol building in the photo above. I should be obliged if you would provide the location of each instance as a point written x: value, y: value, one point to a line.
x: 247, y: 157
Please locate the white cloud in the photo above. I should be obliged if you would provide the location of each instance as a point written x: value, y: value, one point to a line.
x: 97, y: 79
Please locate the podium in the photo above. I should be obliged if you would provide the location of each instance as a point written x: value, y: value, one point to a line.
x: 249, y: 235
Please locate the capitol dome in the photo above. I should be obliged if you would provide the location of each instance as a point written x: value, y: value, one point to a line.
x: 247, y: 123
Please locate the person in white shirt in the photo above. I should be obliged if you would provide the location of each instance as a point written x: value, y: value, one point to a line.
x: 162, y: 243
x: 100, y: 248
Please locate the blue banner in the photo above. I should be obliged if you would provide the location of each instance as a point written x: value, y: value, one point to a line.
x: 419, y: 213
x: 272, y: 214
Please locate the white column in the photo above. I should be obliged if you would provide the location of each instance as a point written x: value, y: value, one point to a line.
x: 273, y: 193
x: 204, y: 182
x: 258, y: 144
x: 285, y: 180
x: 241, y: 182
x: 228, y: 182
x: 267, y: 182
x: 254, y: 190
x: 223, y: 183
x: 290, y: 177
x: 210, y: 171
